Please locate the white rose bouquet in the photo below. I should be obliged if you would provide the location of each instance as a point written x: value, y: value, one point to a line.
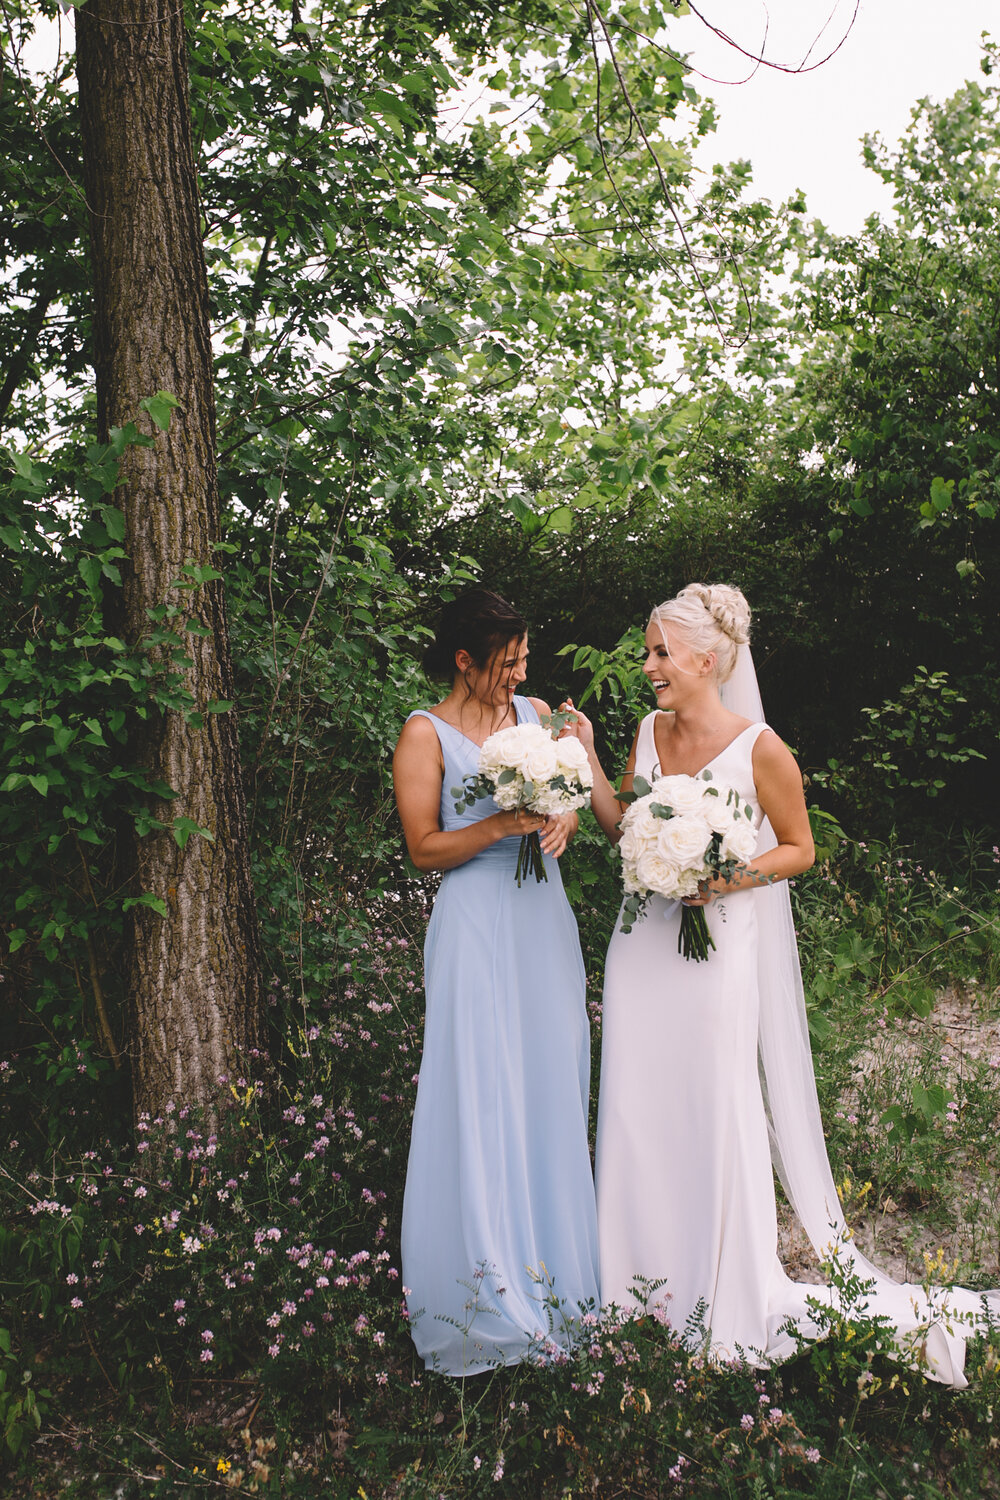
x: 525, y: 766
x: 676, y: 833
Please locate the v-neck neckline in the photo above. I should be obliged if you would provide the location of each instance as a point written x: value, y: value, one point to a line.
x: 461, y: 732
x: 717, y: 756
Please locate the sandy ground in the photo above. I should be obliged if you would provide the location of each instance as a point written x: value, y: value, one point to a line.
x: 966, y: 1029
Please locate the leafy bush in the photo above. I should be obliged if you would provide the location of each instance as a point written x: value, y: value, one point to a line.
x: 71, y: 695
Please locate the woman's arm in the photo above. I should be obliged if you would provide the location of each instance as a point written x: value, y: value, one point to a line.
x: 781, y: 796
x: 418, y: 776
x: 603, y: 801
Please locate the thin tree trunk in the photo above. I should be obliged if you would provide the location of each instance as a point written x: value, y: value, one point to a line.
x: 194, y: 977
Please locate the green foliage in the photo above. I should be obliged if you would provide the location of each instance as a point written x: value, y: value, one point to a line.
x: 615, y: 681
x: 325, y: 636
x: 21, y: 1409
x: 929, y: 1106
x: 895, y: 389
x: 445, y: 353
x: 906, y: 747
x: 882, y: 940
x: 73, y: 694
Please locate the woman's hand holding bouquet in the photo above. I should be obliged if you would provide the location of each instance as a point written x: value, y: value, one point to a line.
x: 676, y: 834
x: 524, y: 767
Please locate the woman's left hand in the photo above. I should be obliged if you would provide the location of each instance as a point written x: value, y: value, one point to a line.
x: 578, y: 727
x: 556, y: 834
x: 708, y: 890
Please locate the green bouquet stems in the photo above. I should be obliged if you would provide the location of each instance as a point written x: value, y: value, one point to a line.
x: 529, y: 859
x: 694, y: 939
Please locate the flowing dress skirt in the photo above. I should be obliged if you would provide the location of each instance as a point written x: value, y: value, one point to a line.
x: 685, y: 1185
x: 499, y: 1238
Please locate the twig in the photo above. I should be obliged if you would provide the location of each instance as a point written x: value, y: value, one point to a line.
x: 594, y: 14
x: 760, y: 60
x: 97, y: 1359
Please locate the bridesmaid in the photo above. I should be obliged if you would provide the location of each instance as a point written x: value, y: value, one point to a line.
x: 499, y: 1236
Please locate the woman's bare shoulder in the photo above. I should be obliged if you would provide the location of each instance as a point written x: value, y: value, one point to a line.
x: 418, y: 734
x: 772, y: 756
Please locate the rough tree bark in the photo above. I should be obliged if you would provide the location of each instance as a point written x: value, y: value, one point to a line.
x: 194, y: 977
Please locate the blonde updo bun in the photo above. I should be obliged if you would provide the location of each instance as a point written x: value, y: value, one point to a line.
x: 726, y: 605
x: 710, y: 619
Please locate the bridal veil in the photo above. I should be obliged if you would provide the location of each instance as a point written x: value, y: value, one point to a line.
x: 931, y: 1325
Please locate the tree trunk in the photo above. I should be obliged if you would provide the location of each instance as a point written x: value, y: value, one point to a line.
x: 193, y: 978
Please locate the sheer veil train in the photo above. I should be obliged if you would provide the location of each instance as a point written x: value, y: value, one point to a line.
x: 930, y: 1329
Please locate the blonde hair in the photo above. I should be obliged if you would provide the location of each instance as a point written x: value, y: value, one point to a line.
x: 709, y: 618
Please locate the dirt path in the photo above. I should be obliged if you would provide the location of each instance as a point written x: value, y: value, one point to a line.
x: 962, y: 1031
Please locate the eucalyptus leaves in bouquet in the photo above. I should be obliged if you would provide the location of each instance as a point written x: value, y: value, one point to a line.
x: 675, y: 834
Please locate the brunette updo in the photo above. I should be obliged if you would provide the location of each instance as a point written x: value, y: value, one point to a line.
x: 477, y: 621
x: 710, y: 618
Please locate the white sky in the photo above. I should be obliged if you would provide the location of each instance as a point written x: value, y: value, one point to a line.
x: 804, y: 131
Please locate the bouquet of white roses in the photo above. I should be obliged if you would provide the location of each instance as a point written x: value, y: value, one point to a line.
x: 676, y: 833
x: 524, y: 766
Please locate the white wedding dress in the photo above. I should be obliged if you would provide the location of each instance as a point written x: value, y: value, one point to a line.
x: 705, y: 1073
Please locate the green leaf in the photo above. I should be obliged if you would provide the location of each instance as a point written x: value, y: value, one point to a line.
x: 90, y: 571
x: 560, y: 520
x: 160, y: 407
x: 183, y: 828
x: 128, y: 436
x: 197, y: 573
x: 559, y: 95
x: 941, y: 493
x: 146, y: 899
x: 932, y: 1102
x: 820, y: 1026
x: 114, y: 522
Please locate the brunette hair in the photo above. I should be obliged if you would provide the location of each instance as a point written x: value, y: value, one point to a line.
x: 477, y: 621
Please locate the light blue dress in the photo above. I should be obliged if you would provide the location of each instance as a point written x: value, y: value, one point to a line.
x: 499, y: 1189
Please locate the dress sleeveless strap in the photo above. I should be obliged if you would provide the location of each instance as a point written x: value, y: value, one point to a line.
x: 754, y: 733
x: 422, y: 713
x: 645, y: 743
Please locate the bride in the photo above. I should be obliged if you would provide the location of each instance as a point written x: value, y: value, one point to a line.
x: 706, y: 1071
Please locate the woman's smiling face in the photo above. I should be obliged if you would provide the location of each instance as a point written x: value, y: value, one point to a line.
x: 668, y: 665
x: 503, y: 674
